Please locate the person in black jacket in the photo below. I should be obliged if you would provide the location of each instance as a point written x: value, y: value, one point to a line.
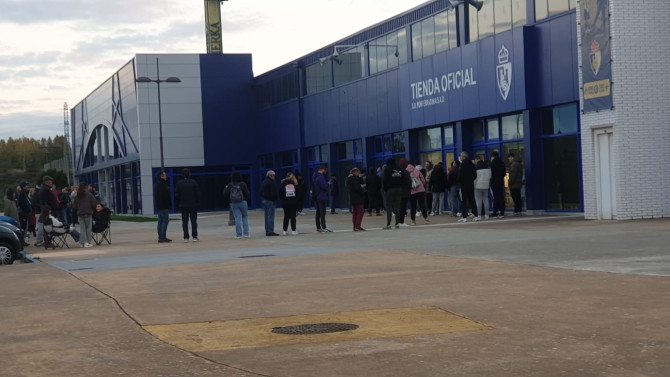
x: 44, y: 197
x: 498, y: 172
x: 356, y: 189
x: 290, y: 195
x: 467, y: 174
x: 187, y: 198
x: 163, y: 205
x: 25, y: 209
x: 269, y: 194
x: 374, y: 187
x: 302, y: 190
x: 438, y: 184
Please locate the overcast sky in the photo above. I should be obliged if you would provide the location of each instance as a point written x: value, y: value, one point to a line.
x: 57, y: 51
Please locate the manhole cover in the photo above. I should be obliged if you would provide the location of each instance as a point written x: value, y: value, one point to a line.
x: 316, y: 328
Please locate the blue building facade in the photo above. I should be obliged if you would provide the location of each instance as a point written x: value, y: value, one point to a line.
x: 424, y: 85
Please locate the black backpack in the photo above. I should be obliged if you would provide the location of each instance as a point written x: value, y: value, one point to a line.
x: 236, y: 194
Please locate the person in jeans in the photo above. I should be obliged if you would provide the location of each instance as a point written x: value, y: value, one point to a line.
x: 467, y: 174
x: 269, y: 194
x: 84, y: 204
x: 498, y: 172
x: 163, y: 205
x: 454, y: 188
x: 239, y: 208
x: 187, y: 197
x: 438, y: 184
x: 392, y: 181
x: 482, y: 184
x: 321, y: 192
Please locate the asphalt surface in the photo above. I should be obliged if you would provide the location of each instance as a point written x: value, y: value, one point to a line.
x: 549, y: 296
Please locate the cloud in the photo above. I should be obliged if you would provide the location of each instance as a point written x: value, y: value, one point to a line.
x: 34, y: 125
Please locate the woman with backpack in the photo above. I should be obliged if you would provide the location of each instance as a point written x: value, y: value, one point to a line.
x: 238, y: 194
x: 289, y: 193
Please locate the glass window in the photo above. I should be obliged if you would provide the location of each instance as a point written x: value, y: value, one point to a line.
x: 358, y: 147
x: 378, y: 145
x: 558, y: 6
x: 485, y: 20
x: 345, y: 150
x: 402, y: 46
x: 430, y: 139
x: 512, y: 127
x: 441, y: 32
x: 561, y: 173
x: 493, y: 128
x: 477, y: 131
x: 417, y: 47
x: 388, y: 143
x: 391, y: 50
x: 453, y: 34
x: 449, y: 157
x: 399, y: 142
x: 348, y: 66
x: 325, y: 153
x: 286, y: 158
x: 319, y: 77
x: 518, y: 13
x: 473, y: 31
x: 541, y: 10
x: 428, y: 36
x: 559, y: 120
x: 433, y: 157
x: 449, y: 135
x: 503, y: 15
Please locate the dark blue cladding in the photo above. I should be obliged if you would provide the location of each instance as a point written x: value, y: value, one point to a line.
x: 227, y: 82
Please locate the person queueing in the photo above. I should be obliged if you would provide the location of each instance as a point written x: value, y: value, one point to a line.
x: 163, y: 205
x: 392, y: 182
x: 467, y: 174
x: 25, y: 209
x: 269, y: 194
x: 289, y: 193
x: 321, y: 193
x: 357, y: 195
x: 374, y: 188
x: 238, y: 194
x: 417, y: 194
x: 187, y: 197
x: 84, y: 205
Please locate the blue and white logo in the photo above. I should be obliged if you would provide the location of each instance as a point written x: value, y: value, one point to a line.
x: 504, y: 72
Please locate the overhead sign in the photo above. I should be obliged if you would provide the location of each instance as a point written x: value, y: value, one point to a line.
x: 596, y: 55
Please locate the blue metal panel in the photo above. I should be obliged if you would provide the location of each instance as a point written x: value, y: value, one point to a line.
x: 564, y: 72
x: 228, y: 129
x: 278, y: 129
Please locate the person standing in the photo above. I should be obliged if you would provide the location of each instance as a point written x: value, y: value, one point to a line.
x: 238, y: 194
x: 438, y: 184
x: 289, y: 192
x: 84, y: 205
x: 187, y: 198
x: 417, y: 194
x: 11, y: 210
x: 321, y: 189
x: 163, y: 205
x: 45, y: 197
x: 373, y: 187
x: 392, y: 182
x: 269, y: 196
x: 406, y: 191
x: 357, y: 195
x: 454, y: 188
x: 302, y: 190
x: 482, y: 188
x: 428, y: 172
x: 515, y: 182
x: 335, y: 194
x: 25, y: 209
x: 498, y: 173
x: 466, y: 179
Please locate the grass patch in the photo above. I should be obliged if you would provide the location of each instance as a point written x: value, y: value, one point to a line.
x: 134, y: 219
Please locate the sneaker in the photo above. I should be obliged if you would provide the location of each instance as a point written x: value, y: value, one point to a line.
x: 486, y: 217
x: 477, y: 218
x: 403, y: 225
x: 88, y: 245
x: 459, y: 214
x: 283, y: 233
x: 501, y: 216
x: 320, y: 230
x: 185, y: 240
x: 397, y: 226
x: 328, y: 230
x: 247, y: 236
x: 360, y: 229
x: 195, y: 239
x: 38, y: 244
x: 413, y: 222
x: 386, y: 227
x: 463, y: 220
x: 294, y: 233
x: 238, y: 237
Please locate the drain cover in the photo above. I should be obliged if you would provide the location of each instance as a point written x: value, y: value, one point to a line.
x: 315, y: 328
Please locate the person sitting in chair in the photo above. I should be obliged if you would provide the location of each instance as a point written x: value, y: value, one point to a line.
x: 52, y: 224
x: 101, y: 218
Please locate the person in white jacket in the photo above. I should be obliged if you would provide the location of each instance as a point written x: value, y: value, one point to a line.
x: 482, y: 183
x: 52, y: 224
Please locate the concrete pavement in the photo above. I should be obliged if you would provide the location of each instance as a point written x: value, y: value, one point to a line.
x: 556, y: 296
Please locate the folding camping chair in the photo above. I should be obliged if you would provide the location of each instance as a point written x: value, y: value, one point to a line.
x: 103, y: 235
x: 53, y: 239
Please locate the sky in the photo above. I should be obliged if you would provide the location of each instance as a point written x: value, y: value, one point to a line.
x: 58, y: 51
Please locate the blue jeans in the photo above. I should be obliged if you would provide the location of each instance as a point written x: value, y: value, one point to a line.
x: 269, y: 209
x: 240, y: 213
x: 455, y: 199
x: 163, y: 220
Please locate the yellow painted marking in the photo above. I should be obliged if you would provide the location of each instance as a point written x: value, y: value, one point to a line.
x: 373, y: 324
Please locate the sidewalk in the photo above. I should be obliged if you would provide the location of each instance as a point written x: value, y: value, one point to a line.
x: 530, y: 296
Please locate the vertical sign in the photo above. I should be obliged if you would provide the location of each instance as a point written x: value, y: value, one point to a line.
x: 596, y: 55
x: 213, y: 23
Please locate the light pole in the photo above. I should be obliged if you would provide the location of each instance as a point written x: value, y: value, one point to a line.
x: 158, y: 82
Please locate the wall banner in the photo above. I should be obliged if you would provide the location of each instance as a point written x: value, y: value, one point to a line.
x: 596, y: 55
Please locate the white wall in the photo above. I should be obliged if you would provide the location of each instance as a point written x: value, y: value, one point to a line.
x: 641, y: 116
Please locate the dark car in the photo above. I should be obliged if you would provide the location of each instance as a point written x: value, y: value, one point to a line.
x: 11, y: 243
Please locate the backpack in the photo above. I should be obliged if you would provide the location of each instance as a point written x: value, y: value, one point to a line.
x: 236, y: 194
x: 290, y: 190
x: 416, y: 182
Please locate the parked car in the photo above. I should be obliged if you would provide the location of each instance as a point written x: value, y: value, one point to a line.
x: 11, y: 242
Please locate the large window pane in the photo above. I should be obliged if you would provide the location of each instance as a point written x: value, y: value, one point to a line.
x: 473, y: 30
x: 449, y: 135
x: 485, y: 19
x: 541, y: 10
x: 512, y: 127
x: 503, y: 15
x: 561, y: 173
x: 430, y: 139
x: 348, y: 66
x: 477, y: 131
x: 417, y: 47
x: 391, y: 50
x: 558, y: 6
x: 453, y: 34
x: 493, y: 128
x: 428, y: 36
x: 518, y: 13
x: 399, y: 142
x: 441, y: 32
x: 559, y: 120
x: 403, y: 55
x: 318, y: 77
x: 518, y: 149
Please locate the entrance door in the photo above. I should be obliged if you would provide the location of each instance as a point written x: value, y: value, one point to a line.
x: 605, y: 174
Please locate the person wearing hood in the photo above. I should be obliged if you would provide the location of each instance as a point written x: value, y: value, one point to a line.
x: 498, y: 172
x: 289, y: 193
x: 467, y: 174
x: 392, y: 182
x: 417, y: 194
x: 515, y: 182
x: 482, y: 188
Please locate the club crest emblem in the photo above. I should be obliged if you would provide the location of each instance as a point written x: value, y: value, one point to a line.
x: 504, y: 72
x: 595, y: 57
